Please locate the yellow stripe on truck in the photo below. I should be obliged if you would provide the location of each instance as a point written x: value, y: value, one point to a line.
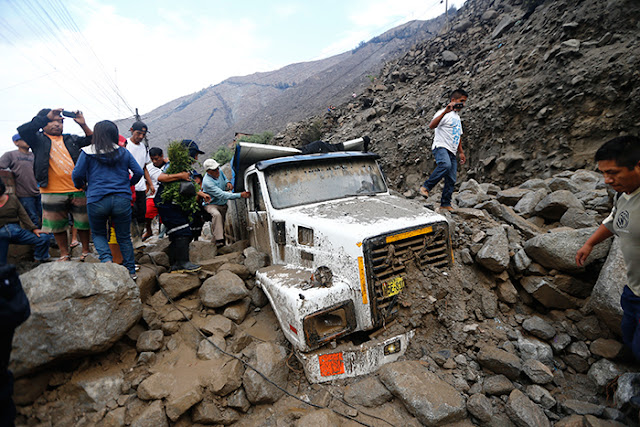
x: 363, y: 281
x: 408, y: 234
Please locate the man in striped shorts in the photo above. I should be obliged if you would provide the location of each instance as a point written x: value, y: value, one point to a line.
x: 55, y: 156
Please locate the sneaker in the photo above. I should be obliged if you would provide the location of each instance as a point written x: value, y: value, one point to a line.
x: 133, y: 276
x: 424, y: 192
x: 446, y: 208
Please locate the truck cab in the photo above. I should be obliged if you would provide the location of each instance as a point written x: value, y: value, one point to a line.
x: 340, y: 245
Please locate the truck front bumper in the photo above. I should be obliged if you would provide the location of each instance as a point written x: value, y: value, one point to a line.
x: 347, y: 360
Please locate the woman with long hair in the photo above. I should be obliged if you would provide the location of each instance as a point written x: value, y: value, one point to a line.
x: 103, y: 168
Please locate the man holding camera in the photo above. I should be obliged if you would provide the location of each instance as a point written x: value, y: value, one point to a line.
x: 55, y: 156
x: 446, y: 143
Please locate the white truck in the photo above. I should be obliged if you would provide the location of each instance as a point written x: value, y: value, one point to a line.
x: 340, y: 246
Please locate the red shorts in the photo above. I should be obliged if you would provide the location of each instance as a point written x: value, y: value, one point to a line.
x: 152, y: 211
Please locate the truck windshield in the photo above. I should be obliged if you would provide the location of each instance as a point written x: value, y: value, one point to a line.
x: 327, y: 179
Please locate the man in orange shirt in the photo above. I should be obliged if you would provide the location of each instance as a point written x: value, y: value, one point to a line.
x: 55, y: 156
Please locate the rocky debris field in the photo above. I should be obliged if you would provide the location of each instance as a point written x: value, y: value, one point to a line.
x: 548, y: 83
x: 513, y: 334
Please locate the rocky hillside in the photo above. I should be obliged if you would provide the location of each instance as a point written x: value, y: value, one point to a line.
x: 268, y: 101
x: 549, y: 81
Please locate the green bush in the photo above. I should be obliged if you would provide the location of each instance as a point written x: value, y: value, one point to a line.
x: 179, y: 161
x: 223, y: 155
x: 258, y: 138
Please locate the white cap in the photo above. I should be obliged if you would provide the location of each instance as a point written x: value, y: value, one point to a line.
x: 210, y: 164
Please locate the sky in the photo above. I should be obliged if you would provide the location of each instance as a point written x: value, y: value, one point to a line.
x: 107, y: 58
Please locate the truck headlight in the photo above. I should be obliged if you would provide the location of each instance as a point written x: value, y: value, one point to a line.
x: 326, y: 325
x: 392, y: 347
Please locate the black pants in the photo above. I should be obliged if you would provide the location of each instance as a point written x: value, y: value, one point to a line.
x: 140, y: 207
x: 7, y: 408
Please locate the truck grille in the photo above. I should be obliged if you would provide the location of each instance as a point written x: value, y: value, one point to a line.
x: 387, y: 257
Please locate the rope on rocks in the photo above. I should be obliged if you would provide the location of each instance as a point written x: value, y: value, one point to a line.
x: 246, y: 364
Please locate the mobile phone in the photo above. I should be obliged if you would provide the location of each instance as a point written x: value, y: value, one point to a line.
x: 69, y: 114
x: 456, y: 106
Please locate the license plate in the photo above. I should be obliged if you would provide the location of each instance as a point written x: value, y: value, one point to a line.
x: 392, y: 287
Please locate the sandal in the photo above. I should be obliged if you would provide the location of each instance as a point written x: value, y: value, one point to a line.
x: 64, y: 258
x: 74, y: 244
x: 84, y: 256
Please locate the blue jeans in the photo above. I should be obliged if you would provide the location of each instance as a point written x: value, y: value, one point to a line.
x: 33, y: 206
x: 447, y: 168
x: 119, y: 210
x: 630, y: 317
x: 13, y: 233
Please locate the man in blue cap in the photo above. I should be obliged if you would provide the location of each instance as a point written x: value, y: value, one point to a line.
x: 20, y: 162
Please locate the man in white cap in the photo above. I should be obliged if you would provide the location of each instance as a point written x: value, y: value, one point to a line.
x: 219, y: 188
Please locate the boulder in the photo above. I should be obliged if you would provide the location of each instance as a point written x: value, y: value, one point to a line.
x: 540, y: 395
x: 500, y: 361
x: 537, y: 371
x: 270, y: 359
x: 369, y: 392
x: 503, y: 26
x: 543, y: 290
x: 480, y: 407
x: 177, y: 284
x: 554, y: 205
x: 605, y: 297
x: 150, y: 341
x: 201, y: 250
x: 511, y: 196
x: 539, y: 327
x: 76, y: 309
x: 152, y: 415
x: 578, y: 218
x: 222, y: 289
x: 427, y: 397
x: 527, y: 204
x: 494, y: 254
x: 255, y: 259
x: 524, y: 413
x: 558, y: 250
x: 628, y: 386
x: 604, y: 371
x: 157, y: 386
x: 497, y: 385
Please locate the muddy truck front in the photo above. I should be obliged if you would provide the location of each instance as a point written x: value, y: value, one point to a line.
x: 340, y: 246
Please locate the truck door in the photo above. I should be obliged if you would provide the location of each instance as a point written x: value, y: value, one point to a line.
x: 257, y: 216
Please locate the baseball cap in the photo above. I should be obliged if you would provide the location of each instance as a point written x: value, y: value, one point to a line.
x: 210, y: 164
x: 139, y: 126
x: 16, y: 137
x: 194, y: 150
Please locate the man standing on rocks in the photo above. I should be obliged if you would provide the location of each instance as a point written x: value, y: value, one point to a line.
x: 145, y: 186
x: 55, y: 155
x: 619, y: 161
x: 446, y: 143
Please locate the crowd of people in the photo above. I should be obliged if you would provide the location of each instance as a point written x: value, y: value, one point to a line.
x: 107, y: 189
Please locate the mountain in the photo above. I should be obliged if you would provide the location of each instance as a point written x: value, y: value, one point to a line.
x: 548, y: 83
x: 268, y: 101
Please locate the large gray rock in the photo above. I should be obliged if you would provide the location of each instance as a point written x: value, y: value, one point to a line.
x: 537, y: 371
x: 221, y: 289
x: 500, y: 362
x: 527, y: 204
x: 177, y: 284
x: 480, y: 407
x: 628, y: 386
x: 153, y: 415
x: 605, y: 297
x: 270, y: 359
x: 543, y: 290
x: 201, y: 250
x: 503, y: 26
x: 534, y: 349
x: 554, y: 205
x: 539, y: 327
x: 427, y: 397
x: 494, y: 254
x: 604, y: 371
x: 369, y: 392
x: 511, y: 196
x: 524, y: 413
x: 558, y: 250
x: 76, y: 308
x: 255, y: 259
x: 578, y: 218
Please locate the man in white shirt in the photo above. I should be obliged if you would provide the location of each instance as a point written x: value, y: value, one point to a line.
x: 155, y: 169
x: 139, y: 152
x: 446, y: 143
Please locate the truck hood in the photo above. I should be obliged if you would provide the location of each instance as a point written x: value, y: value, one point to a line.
x: 362, y: 217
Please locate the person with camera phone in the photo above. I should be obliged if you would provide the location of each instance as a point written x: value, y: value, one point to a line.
x: 446, y: 143
x: 55, y: 155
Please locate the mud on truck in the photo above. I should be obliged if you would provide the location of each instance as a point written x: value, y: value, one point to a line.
x: 340, y: 246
